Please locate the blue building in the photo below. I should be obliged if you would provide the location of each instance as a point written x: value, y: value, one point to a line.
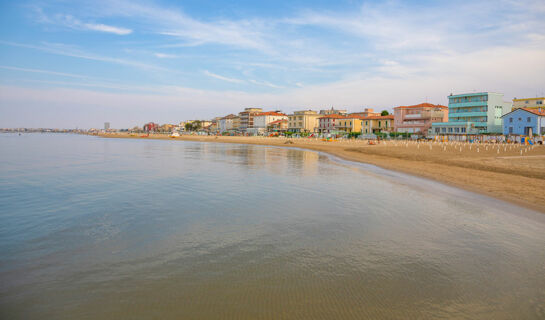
x: 473, y: 113
x: 522, y: 121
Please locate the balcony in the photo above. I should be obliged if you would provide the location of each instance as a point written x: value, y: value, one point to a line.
x: 467, y: 114
x: 413, y: 116
x: 468, y: 104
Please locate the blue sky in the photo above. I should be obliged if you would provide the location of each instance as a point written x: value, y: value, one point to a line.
x: 81, y: 63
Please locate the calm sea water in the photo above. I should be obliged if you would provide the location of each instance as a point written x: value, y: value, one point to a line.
x: 96, y: 228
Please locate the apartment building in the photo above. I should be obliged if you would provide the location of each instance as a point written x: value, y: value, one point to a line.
x: 247, y: 118
x: 348, y: 124
x: 305, y: 121
x: 262, y: 120
x: 225, y: 124
x: 473, y: 113
x: 418, y: 118
x: 377, y: 124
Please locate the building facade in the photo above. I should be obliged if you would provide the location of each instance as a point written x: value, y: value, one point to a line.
x: 247, y: 118
x: 332, y: 111
x: 305, y: 121
x: 262, y: 120
x: 524, y: 122
x: 377, y: 124
x: 328, y: 123
x: 349, y: 124
x: 278, y: 126
x: 529, y: 103
x: 418, y: 119
x: 225, y: 124
x: 473, y: 113
x: 151, y: 127
x: 368, y: 112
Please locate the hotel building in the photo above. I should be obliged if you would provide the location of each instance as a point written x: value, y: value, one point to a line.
x: 305, y: 121
x: 247, y: 118
x: 473, y: 113
x: 418, y: 118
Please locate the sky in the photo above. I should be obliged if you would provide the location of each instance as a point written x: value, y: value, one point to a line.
x: 68, y: 64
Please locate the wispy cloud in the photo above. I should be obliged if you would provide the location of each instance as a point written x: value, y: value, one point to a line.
x: 219, y: 77
x: 106, y: 28
x: 265, y: 83
x: 71, y: 75
x: 165, y: 55
x: 71, y: 51
x: 72, y: 22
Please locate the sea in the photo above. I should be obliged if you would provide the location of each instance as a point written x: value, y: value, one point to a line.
x: 98, y: 228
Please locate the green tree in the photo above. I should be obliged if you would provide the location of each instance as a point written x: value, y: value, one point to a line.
x: 197, y: 125
x: 384, y: 113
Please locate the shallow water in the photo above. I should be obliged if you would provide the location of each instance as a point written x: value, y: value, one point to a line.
x: 112, y: 228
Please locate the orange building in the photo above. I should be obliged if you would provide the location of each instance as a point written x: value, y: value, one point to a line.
x: 418, y: 118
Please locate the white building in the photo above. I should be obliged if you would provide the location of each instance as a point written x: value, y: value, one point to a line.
x: 226, y: 123
x: 262, y: 120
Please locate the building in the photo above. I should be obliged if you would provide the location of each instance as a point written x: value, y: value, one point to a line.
x: 151, y: 127
x: 377, y: 124
x: 225, y: 124
x: 328, y: 123
x: 332, y: 111
x: 368, y: 112
x: 166, y: 127
x: 417, y: 119
x: 305, y: 121
x: 247, y: 118
x: 262, y: 120
x: 349, y: 124
x: 524, y: 121
x: 205, y: 123
x: 529, y: 103
x: 278, y: 126
x: 473, y: 113
x: 106, y: 126
x: 236, y: 123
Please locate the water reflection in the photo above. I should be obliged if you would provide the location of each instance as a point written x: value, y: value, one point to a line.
x: 163, y: 229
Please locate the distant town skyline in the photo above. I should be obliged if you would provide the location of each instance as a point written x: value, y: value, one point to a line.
x: 81, y: 64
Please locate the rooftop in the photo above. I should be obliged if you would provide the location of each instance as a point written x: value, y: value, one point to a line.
x: 270, y: 113
x: 540, y: 112
x: 422, y: 105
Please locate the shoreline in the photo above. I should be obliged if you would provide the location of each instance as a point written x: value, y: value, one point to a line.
x: 506, y: 176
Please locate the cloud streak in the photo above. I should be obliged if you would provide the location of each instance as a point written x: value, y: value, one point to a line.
x: 219, y: 77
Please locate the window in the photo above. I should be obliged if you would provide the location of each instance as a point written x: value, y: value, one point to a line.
x: 539, y: 102
x: 449, y: 130
x: 436, y: 130
x: 529, y: 119
x: 379, y: 124
x: 510, y: 120
x: 520, y: 119
x: 510, y: 129
x: 463, y: 130
x: 457, y: 130
x: 526, y: 101
x: 443, y: 129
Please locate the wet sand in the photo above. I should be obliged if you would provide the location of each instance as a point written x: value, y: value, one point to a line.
x: 499, y: 171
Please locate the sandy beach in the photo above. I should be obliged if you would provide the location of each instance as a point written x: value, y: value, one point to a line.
x: 512, y: 173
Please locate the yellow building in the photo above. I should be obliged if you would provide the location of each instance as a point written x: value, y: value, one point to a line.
x: 349, y: 124
x: 303, y: 121
x: 377, y: 124
x: 236, y: 123
x: 529, y: 103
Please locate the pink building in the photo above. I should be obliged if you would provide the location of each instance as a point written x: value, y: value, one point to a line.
x: 418, y: 118
x: 326, y: 124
